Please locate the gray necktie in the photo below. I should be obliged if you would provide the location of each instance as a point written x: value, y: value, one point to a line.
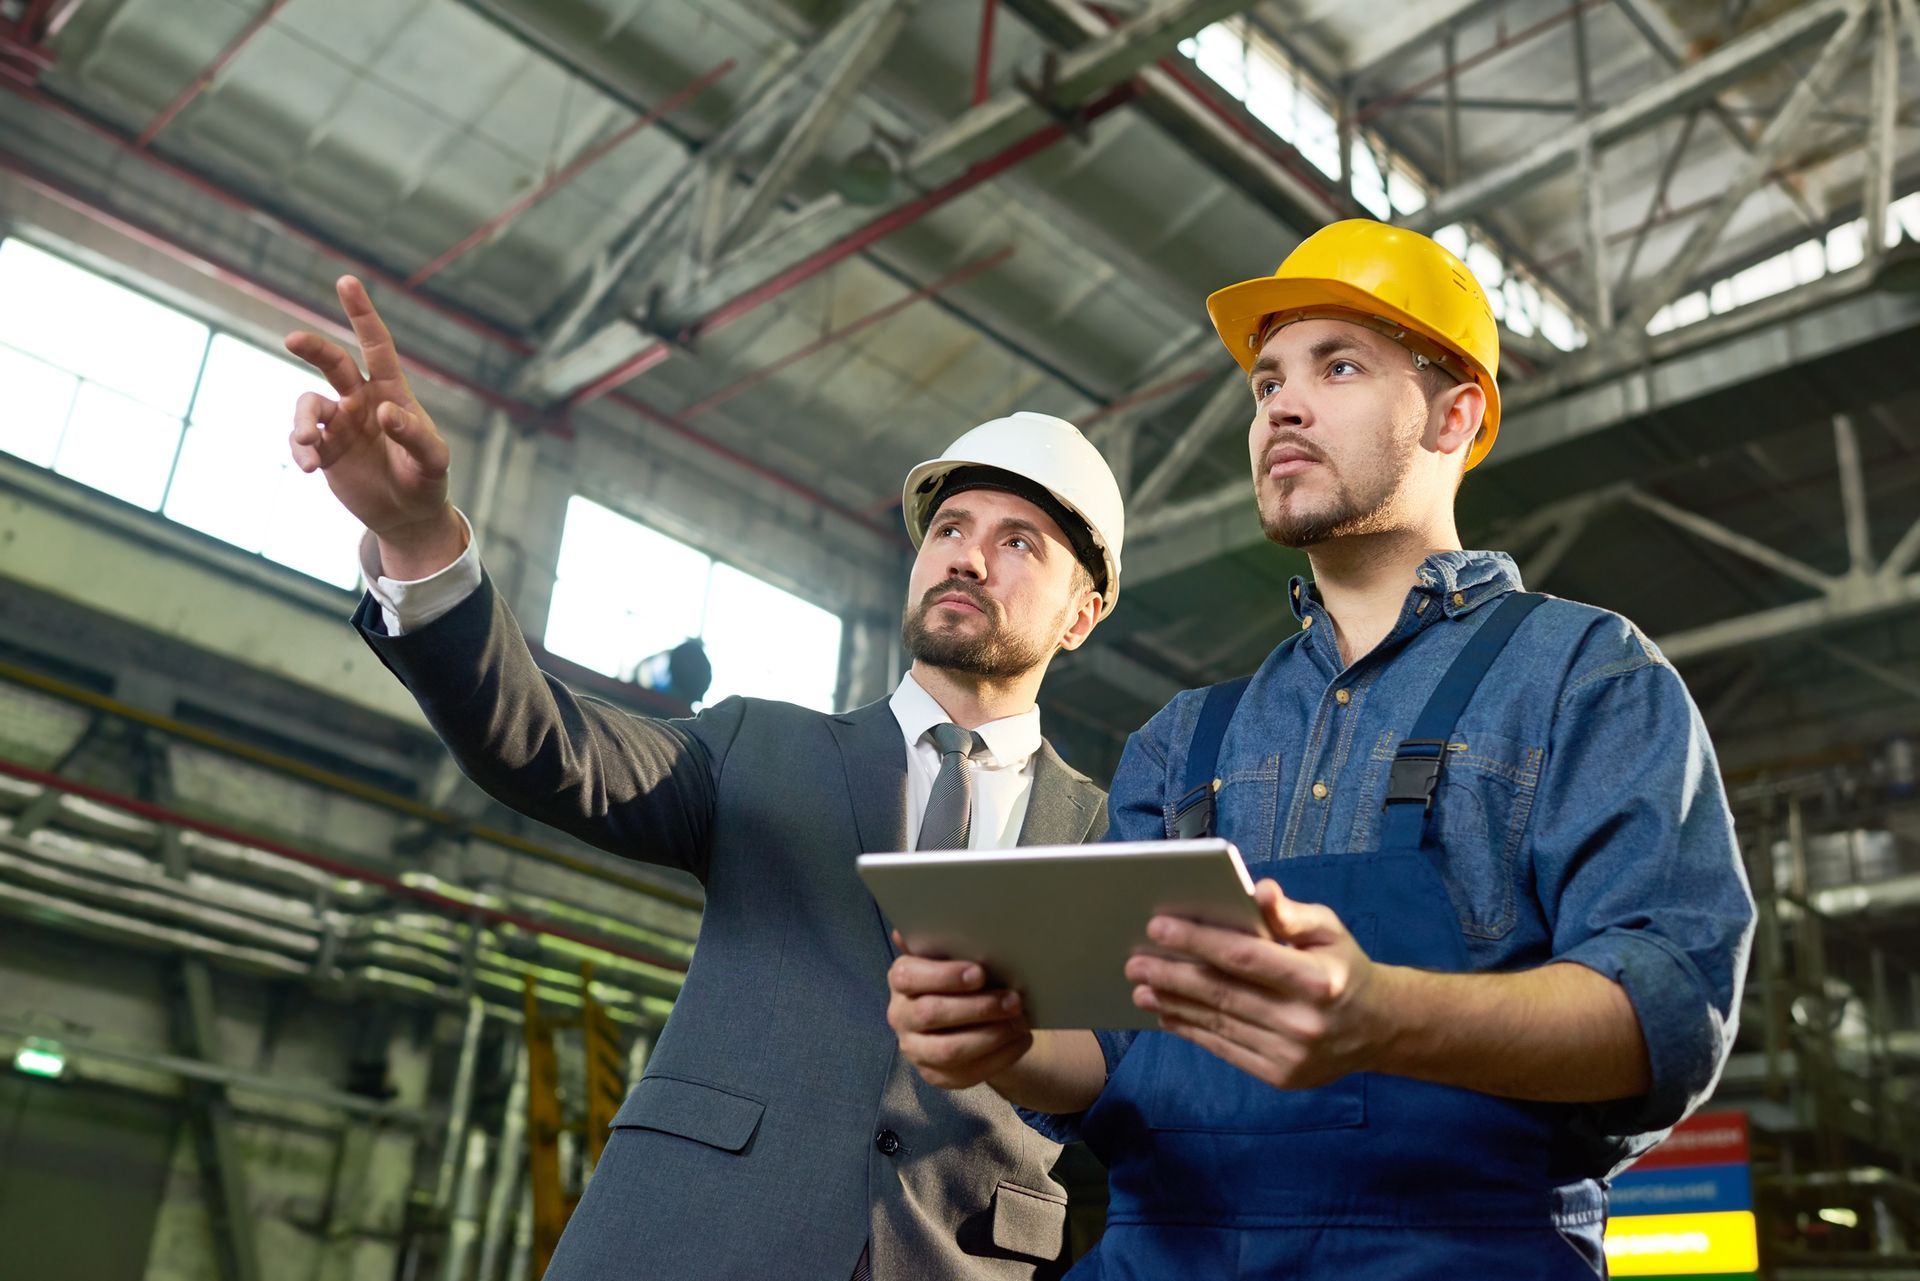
x: 949, y: 818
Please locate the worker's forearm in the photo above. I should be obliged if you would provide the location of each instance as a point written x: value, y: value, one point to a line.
x: 1557, y: 1034
x: 1064, y: 1072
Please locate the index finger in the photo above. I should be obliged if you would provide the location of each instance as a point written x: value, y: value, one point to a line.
x: 921, y: 976
x: 376, y: 342
x: 1244, y: 956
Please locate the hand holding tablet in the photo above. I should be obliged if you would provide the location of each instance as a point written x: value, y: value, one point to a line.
x: 1057, y: 923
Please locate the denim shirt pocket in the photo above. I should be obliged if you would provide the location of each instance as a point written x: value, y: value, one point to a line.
x: 1247, y: 807
x: 1480, y: 812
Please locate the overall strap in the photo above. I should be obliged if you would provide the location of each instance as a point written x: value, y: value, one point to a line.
x: 1193, y: 811
x: 1416, y: 766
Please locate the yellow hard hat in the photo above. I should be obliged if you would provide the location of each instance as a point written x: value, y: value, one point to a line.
x: 1396, y: 281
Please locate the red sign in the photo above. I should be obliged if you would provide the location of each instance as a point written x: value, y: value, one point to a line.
x: 1709, y: 1138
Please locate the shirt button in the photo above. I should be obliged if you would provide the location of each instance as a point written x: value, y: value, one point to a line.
x: 1319, y: 791
x: 1343, y: 696
x: 1307, y: 621
x: 887, y: 1142
x: 1459, y: 599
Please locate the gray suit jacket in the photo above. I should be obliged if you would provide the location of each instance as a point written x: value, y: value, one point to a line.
x: 753, y: 1146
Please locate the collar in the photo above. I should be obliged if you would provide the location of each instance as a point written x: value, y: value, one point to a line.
x: 1462, y: 581
x: 1011, y: 740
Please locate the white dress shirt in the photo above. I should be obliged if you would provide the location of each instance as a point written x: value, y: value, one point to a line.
x: 1002, y: 776
x: 407, y: 605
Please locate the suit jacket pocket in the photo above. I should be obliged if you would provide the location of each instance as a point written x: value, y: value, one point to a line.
x: 1027, y: 1222
x: 692, y: 1110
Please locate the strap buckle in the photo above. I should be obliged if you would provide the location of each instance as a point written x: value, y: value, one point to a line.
x: 1193, y: 813
x: 1415, y: 772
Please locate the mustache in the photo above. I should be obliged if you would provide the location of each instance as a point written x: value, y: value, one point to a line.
x: 959, y: 587
x: 1294, y: 442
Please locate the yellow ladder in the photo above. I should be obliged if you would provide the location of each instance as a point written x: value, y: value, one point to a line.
x: 553, y: 1200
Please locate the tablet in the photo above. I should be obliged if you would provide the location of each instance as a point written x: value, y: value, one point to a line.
x: 1058, y: 922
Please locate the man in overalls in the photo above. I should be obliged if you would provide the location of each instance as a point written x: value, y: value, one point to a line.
x: 1509, y: 917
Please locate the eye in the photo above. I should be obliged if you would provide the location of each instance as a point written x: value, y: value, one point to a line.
x: 1338, y: 365
x: 944, y: 530
x: 1020, y: 541
x: 1265, y: 388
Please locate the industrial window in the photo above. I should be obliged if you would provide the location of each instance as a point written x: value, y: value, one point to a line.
x: 623, y: 592
x: 140, y: 401
x: 1242, y: 60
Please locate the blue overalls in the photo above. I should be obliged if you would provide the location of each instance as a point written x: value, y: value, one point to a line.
x: 1213, y: 1173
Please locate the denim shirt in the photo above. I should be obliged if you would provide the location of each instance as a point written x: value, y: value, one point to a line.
x: 1580, y: 813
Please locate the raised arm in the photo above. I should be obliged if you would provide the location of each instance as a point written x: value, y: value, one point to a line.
x: 637, y: 787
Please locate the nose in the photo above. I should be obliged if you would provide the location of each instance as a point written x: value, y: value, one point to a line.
x: 1286, y: 408
x: 966, y: 559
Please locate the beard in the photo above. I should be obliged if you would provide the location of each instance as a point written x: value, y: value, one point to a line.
x: 1351, y: 509
x: 995, y: 652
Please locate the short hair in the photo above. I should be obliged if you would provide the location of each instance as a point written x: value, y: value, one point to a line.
x: 1082, y: 580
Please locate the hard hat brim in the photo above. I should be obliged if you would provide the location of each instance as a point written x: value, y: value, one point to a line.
x: 1238, y: 312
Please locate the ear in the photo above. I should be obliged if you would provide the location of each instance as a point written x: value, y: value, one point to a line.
x: 1080, y: 622
x: 1462, y: 409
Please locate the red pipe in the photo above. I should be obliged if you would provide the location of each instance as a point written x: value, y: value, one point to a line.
x: 1288, y: 160
x: 1145, y: 394
x: 371, y: 272
x: 214, y: 68
x: 881, y: 227
x: 758, y: 376
x: 780, y: 479
x: 983, y: 60
x: 332, y: 866
x: 580, y: 163
x: 1504, y: 43
x: 238, y: 278
x: 254, y: 213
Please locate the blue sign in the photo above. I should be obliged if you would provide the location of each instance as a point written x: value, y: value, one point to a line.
x: 1695, y: 1189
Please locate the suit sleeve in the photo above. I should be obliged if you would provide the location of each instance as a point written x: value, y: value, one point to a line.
x: 632, y: 785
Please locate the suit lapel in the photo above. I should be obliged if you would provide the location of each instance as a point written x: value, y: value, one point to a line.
x: 874, y: 758
x: 1060, y: 807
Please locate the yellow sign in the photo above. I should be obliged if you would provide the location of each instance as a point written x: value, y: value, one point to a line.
x: 1667, y: 1245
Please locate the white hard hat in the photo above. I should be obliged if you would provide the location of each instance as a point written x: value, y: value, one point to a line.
x: 1050, y: 453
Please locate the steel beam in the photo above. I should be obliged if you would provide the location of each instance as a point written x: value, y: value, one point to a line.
x: 213, y: 69
x: 1854, y: 601
x: 1679, y: 273
x: 1249, y: 158
x: 1547, y: 559
x: 850, y: 51
x: 587, y: 158
x: 983, y: 141
x: 1714, y: 532
x: 1589, y: 167
x: 957, y: 276
x: 1650, y: 27
x: 1853, y: 495
x: 1725, y: 66
x: 1897, y: 681
x: 1882, y: 140
x: 1386, y: 42
x: 1208, y: 422
x: 1113, y: 668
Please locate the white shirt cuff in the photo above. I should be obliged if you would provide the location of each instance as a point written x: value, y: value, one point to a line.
x: 408, y: 605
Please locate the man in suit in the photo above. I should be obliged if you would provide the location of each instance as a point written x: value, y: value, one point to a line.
x: 776, y: 1132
